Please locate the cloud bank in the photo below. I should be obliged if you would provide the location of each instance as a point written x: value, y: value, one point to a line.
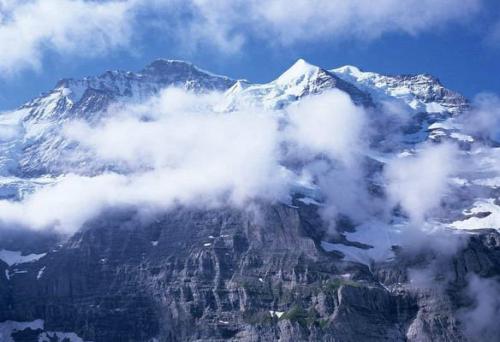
x: 171, y: 152
x: 177, y: 148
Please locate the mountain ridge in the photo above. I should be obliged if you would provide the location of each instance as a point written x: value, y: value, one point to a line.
x: 161, y: 61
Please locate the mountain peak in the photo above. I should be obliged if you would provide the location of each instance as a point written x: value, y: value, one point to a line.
x: 299, y: 70
x: 302, y: 63
x: 174, y: 66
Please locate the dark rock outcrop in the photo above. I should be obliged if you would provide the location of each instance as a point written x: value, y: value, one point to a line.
x: 246, y: 275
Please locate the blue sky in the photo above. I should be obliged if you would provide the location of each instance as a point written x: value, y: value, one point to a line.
x: 456, y: 40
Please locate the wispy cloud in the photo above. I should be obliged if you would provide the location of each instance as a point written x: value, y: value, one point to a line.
x: 28, y: 29
x: 288, y: 22
x: 174, y: 149
x: 419, y: 182
x: 478, y: 319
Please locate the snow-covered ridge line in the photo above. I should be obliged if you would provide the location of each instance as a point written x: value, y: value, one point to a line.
x: 141, y: 73
x: 300, y: 80
x: 420, y: 92
x: 39, y: 120
x: 93, y: 93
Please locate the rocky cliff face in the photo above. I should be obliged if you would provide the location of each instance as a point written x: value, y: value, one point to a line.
x: 262, y: 271
x: 251, y: 275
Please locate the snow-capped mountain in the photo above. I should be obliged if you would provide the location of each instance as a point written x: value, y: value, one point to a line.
x: 281, y: 276
x: 38, y: 146
x: 35, y: 151
x: 300, y: 80
x: 75, y: 98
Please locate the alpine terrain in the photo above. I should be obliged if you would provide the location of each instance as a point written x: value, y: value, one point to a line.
x: 173, y: 204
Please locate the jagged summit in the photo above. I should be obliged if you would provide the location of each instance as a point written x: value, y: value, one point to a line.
x: 157, y: 67
x: 161, y: 62
x: 358, y: 72
x: 300, y: 70
x: 94, y: 93
x: 169, y: 66
x: 156, y: 75
x: 300, y: 80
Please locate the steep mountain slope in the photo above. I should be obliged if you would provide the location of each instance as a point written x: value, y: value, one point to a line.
x: 262, y: 271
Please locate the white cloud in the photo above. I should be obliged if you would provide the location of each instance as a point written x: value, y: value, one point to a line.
x: 66, y: 205
x: 420, y: 181
x: 152, y: 134
x: 484, y: 119
x: 287, y: 22
x: 176, y: 148
x: 332, y: 126
x: 83, y: 28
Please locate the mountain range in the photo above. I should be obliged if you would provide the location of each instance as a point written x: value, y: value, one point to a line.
x: 270, y: 269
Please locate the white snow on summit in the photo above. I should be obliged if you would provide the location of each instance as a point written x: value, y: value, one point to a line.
x: 421, y: 93
x: 299, y: 80
x: 299, y: 73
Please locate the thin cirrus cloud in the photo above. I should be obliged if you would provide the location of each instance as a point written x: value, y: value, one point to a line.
x: 31, y: 28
